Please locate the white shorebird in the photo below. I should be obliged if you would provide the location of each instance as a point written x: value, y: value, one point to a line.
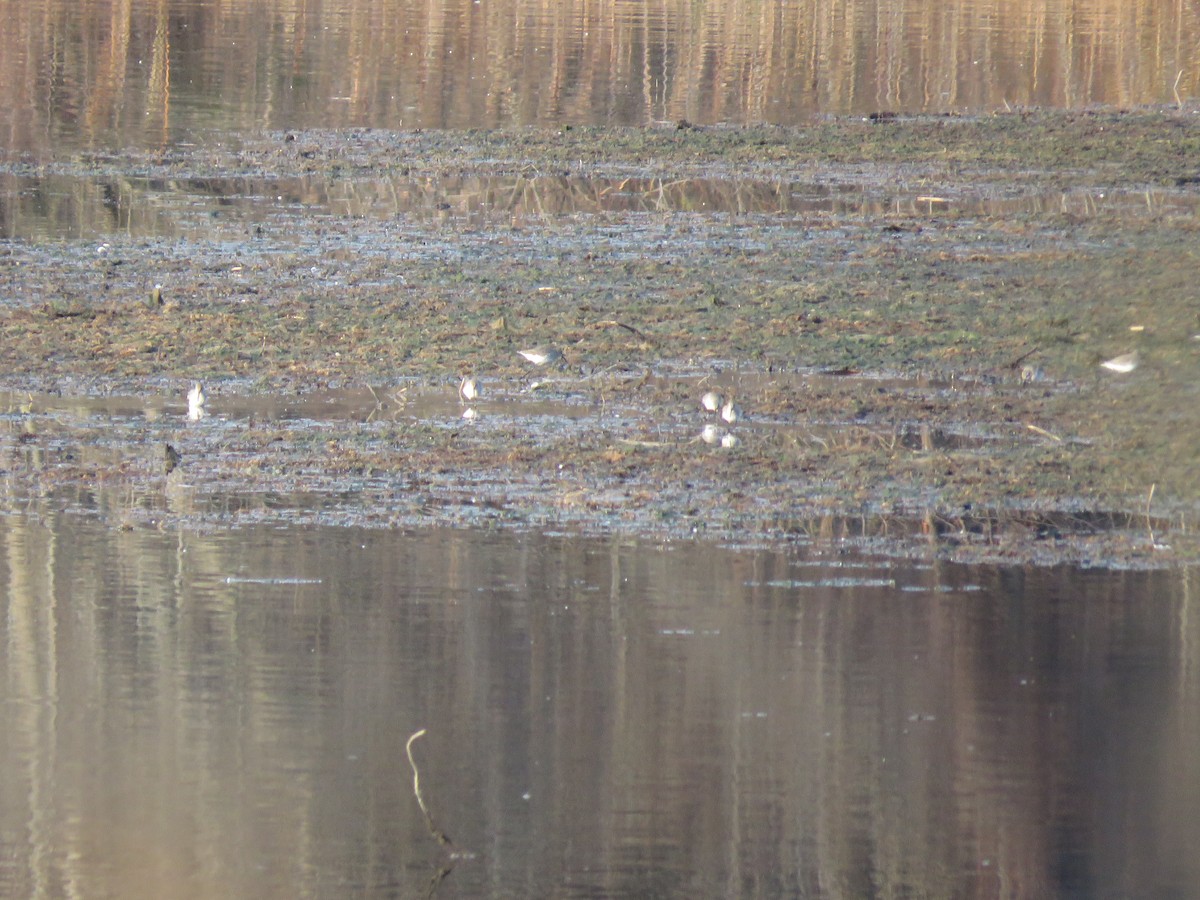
x: 543, y: 355
x: 469, y: 389
x: 731, y: 412
x: 1122, y: 364
x: 712, y: 434
x: 712, y: 401
x: 196, y: 399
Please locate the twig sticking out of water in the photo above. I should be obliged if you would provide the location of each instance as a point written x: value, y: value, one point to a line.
x: 441, y: 836
x: 1175, y: 90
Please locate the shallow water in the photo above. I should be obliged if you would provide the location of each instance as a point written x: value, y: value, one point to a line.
x: 226, y: 714
x: 354, y: 455
x: 76, y: 203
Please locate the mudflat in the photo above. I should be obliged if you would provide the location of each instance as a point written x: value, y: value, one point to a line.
x: 911, y: 313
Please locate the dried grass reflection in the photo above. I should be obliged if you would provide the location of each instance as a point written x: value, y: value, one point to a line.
x: 144, y: 72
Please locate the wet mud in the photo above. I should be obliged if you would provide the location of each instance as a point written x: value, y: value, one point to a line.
x: 910, y: 312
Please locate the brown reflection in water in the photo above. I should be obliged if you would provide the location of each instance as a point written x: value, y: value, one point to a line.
x: 65, y: 206
x: 145, y: 72
x: 225, y: 715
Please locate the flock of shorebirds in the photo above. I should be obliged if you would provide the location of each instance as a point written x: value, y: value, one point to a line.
x: 470, y: 389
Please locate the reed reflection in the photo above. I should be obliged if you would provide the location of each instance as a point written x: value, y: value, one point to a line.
x: 202, y: 714
x: 146, y: 73
x: 66, y: 206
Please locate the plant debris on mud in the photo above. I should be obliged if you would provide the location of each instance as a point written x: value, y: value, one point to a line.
x: 911, y: 312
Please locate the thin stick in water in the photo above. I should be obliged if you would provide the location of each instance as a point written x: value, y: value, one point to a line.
x: 441, y: 836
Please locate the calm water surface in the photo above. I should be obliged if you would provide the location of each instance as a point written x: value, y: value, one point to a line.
x: 149, y: 73
x: 217, y: 715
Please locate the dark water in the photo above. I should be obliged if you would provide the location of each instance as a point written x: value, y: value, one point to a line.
x: 214, y: 715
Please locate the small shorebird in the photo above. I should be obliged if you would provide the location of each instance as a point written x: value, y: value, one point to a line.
x: 469, y: 389
x: 712, y: 401
x: 731, y: 412
x: 171, y: 458
x: 543, y: 355
x: 1122, y: 364
x: 712, y: 434
x: 196, y: 399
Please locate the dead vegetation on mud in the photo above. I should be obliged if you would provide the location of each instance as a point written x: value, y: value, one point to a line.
x: 948, y: 300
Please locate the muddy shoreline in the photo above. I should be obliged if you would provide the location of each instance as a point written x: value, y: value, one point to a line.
x: 870, y: 291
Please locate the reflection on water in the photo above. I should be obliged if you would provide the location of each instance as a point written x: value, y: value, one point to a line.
x: 226, y: 715
x: 147, y: 73
x: 84, y: 80
x: 80, y: 205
